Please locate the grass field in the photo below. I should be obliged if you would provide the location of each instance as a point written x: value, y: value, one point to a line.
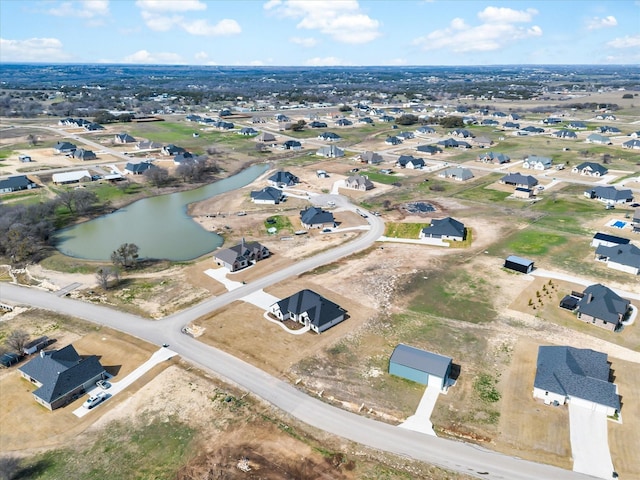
x: 534, y: 242
x: 404, y: 230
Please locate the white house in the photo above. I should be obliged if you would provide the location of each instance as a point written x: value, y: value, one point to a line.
x: 535, y: 162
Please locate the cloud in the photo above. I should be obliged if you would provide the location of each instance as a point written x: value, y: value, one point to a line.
x: 596, y: 23
x: 32, y: 50
x: 304, y: 42
x: 498, y: 29
x: 342, y: 20
x: 90, y: 9
x: 628, y: 41
x: 323, y: 62
x: 164, y: 15
x: 202, y: 27
x: 170, y: 5
x: 144, y: 56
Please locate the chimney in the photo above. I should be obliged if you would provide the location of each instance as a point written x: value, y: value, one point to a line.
x: 42, y: 353
x: 590, y: 297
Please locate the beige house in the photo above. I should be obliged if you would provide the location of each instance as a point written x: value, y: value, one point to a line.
x: 358, y: 182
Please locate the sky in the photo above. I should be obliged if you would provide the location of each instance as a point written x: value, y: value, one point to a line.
x: 321, y: 32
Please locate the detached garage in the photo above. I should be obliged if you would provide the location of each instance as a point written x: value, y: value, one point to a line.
x: 420, y: 366
x: 518, y: 264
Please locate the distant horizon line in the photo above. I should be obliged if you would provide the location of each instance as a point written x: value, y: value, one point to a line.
x: 327, y: 66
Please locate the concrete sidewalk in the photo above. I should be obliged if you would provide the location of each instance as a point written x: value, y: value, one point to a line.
x: 421, y: 420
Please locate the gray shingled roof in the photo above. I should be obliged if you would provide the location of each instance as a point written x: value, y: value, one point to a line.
x: 447, y: 226
x: 611, y: 238
x: 15, y: 183
x: 575, y: 372
x: 421, y: 360
x: 519, y: 179
x: 316, y: 216
x: 283, y: 178
x: 623, y: 254
x: 319, y: 309
x: 238, y: 252
x: 267, y: 193
x: 603, y: 303
x: 61, y: 371
x: 593, y: 166
x: 612, y: 193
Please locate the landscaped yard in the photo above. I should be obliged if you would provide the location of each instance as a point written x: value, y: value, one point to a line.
x: 404, y: 230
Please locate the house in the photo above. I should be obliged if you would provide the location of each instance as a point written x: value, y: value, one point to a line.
x: 534, y: 162
x: 489, y: 122
x: 483, y: 142
x: 25, y: 158
x: 602, y: 307
x: 359, y: 182
x: 605, y: 116
x: 268, y: 195
x: 518, y: 264
x: 387, y: 118
x: 64, y: 147
x: 429, y: 149
x: 138, y: 168
x: 405, y: 135
x: 248, y: 131
x: 531, y: 130
x: 314, y: 217
x: 635, y: 134
x: 425, y: 130
x: 444, y: 229
x: 598, y: 139
x: 632, y: 144
x: 71, y: 177
x: 343, y: 122
x: 575, y: 375
x: 461, y: 133
x: 36, y: 345
x: 330, y: 151
x: 624, y: 257
x: 16, y: 183
x: 522, y: 192
x: 514, y: 117
x: 551, y: 121
x: 420, y: 366
x: 608, y: 129
x: 283, y: 179
x: 511, y: 125
x: 607, y: 240
x: 609, y: 195
x: 393, y: 140
x: 148, y: 145
x: 123, y: 138
x: 409, y: 161
x: 82, y: 154
x: 577, y: 126
x: 457, y: 173
x: 241, y: 256
x: 372, y: 158
x: 317, y: 124
x: 452, y: 143
x: 564, y: 134
x: 329, y: 137
x: 499, y: 115
x: 493, y: 157
x: 266, y: 137
x: 519, y: 180
x: 310, y: 309
x: 183, y: 157
x: 171, y: 150
x: 590, y: 168
x: 62, y: 376
x: 292, y: 145
x: 93, y: 127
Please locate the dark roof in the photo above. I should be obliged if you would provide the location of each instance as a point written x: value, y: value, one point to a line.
x: 428, y: 149
x: 519, y: 179
x: 15, y: 183
x: 594, y: 167
x: 239, y: 252
x: 576, y: 372
x: 447, y: 226
x: 603, y: 303
x: 285, y: 178
x: 316, y: 216
x: 138, y: 167
x: 292, y: 144
x: 267, y: 193
x: 64, y: 146
x: 519, y: 260
x: 610, y: 238
x: 61, y: 371
x: 404, y: 159
x: 625, y: 254
x: 421, y: 360
x: 320, y: 310
x: 611, y: 193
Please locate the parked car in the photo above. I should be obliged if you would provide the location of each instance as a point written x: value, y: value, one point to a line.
x: 103, y: 384
x: 95, y: 400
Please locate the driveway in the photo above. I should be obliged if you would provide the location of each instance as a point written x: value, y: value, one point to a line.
x: 116, y: 387
x: 421, y: 421
x: 589, y: 442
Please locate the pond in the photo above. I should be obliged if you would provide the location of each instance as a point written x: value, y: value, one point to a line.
x: 160, y: 226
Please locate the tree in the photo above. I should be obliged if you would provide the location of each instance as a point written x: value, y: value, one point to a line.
x: 77, y: 200
x: 606, y: 158
x: 261, y: 147
x: 32, y: 139
x: 157, y: 176
x: 16, y: 340
x: 386, y: 204
x: 9, y: 467
x: 451, y: 122
x: 407, y: 119
x: 125, y: 255
x: 298, y: 126
x: 345, y: 108
x: 105, y: 274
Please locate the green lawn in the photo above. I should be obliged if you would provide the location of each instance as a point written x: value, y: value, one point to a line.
x: 404, y: 230
x: 534, y: 242
x: 280, y: 222
x: 375, y: 176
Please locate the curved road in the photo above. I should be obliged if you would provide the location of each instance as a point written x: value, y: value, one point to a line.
x: 457, y: 456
